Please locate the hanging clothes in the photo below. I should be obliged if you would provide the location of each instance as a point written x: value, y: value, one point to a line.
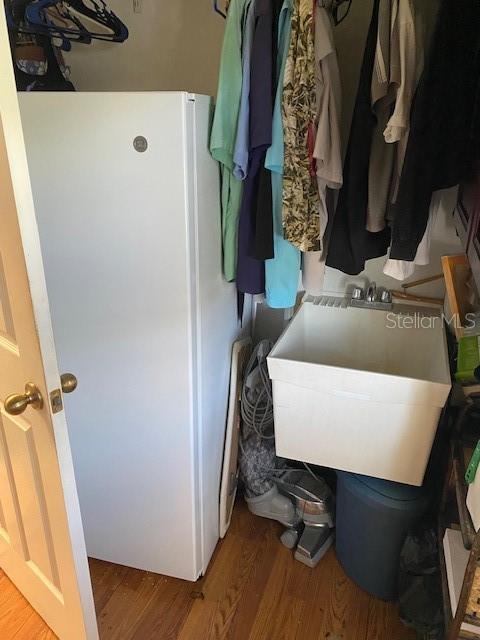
x: 407, y: 69
x: 281, y: 272
x: 224, y: 130
x: 392, y: 95
x: 328, y: 148
x: 404, y: 55
x: 399, y: 269
x: 263, y: 243
x: 313, y: 268
x: 242, y: 140
x: 301, y: 200
x: 38, y: 65
x: 327, y: 152
x: 250, y: 270
x: 350, y: 243
x: 445, y: 122
x: 381, y: 154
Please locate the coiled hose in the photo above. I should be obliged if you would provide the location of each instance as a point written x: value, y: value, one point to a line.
x: 257, y: 400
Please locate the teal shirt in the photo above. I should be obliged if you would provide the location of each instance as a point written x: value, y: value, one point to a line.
x: 282, y: 273
x: 224, y: 130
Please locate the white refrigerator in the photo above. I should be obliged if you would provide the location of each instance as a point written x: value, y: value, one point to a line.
x: 128, y: 206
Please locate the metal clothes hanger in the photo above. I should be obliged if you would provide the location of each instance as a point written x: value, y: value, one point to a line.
x: 59, y: 39
x: 62, y: 26
x: 217, y: 9
x: 335, y: 11
x: 16, y: 22
x: 101, y: 15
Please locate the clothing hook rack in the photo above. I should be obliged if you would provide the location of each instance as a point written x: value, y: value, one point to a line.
x: 217, y: 9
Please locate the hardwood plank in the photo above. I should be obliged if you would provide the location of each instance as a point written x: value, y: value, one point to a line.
x: 222, y: 589
x: 129, y: 603
x: 232, y: 588
x: 169, y: 609
x: 324, y: 614
x: 383, y: 622
x: 230, y: 600
x: 279, y: 610
x: 346, y: 606
x: 106, y: 577
x: 199, y: 622
x: 14, y: 609
x: 267, y: 544
x: 18, y: 620
x: 6, y: 591
x: 34, y: 629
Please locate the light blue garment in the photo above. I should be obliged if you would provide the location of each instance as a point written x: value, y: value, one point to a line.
x: 240, y: 154
x: 282, y: 273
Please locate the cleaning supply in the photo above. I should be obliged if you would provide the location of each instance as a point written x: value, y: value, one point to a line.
x: 468, y: 361
x: 471, y: 471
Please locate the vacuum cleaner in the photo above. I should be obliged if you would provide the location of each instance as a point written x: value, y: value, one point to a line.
x: 296, y: 498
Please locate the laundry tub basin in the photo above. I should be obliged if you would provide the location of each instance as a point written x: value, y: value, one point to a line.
x: 360, y: 390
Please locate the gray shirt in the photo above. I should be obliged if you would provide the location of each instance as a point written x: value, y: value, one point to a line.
x: 242, y: 141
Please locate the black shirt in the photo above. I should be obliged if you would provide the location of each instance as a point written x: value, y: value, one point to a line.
x: 350, y: 243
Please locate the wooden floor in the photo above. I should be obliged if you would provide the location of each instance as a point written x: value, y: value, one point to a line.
x: 254, y: 590
x: 17, y: 618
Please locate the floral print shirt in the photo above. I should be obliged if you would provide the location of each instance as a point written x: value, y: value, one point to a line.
x: 301, y: 199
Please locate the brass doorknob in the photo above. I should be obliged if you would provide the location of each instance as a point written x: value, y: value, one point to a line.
x: 16, y: 404
x: 69, y: 382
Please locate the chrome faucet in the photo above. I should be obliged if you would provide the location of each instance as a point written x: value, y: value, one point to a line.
x: 372, y: 298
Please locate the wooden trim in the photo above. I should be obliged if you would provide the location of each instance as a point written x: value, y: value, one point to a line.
x: 417, y: 283
x: 466, y: 525
x: 402, y: 295
x: 466, y: 588
x: 457, y: 272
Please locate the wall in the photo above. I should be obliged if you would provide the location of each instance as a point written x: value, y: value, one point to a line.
x: 173, y: 45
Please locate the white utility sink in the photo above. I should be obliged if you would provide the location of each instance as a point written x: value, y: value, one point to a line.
x: 360, y: 390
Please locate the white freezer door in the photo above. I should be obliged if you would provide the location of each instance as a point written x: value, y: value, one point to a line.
x: 114, y: 226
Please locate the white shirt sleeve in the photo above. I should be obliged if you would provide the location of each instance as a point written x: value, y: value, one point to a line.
x: 403, y: 71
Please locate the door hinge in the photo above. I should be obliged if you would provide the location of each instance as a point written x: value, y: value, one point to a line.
x: 56, y: 401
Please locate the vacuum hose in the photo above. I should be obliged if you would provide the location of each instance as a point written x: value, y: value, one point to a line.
x: 257, y: 401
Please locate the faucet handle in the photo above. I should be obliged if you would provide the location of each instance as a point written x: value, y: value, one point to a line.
x: 386, y: 296
x: 371, y: 292
x: 357, y: 293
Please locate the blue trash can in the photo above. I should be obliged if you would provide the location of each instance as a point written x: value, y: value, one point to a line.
x: 373, y: 519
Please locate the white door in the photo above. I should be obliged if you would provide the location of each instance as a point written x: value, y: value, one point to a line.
x: 42, y: 547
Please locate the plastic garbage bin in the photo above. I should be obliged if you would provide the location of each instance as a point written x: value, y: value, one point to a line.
x: 373, y: 518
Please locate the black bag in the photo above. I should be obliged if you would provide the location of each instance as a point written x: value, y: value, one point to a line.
x: 420, y: 587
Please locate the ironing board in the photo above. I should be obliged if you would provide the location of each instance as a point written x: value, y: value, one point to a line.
x: 228, y: 490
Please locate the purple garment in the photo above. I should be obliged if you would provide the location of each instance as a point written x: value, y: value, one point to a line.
x: 251, y: 272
